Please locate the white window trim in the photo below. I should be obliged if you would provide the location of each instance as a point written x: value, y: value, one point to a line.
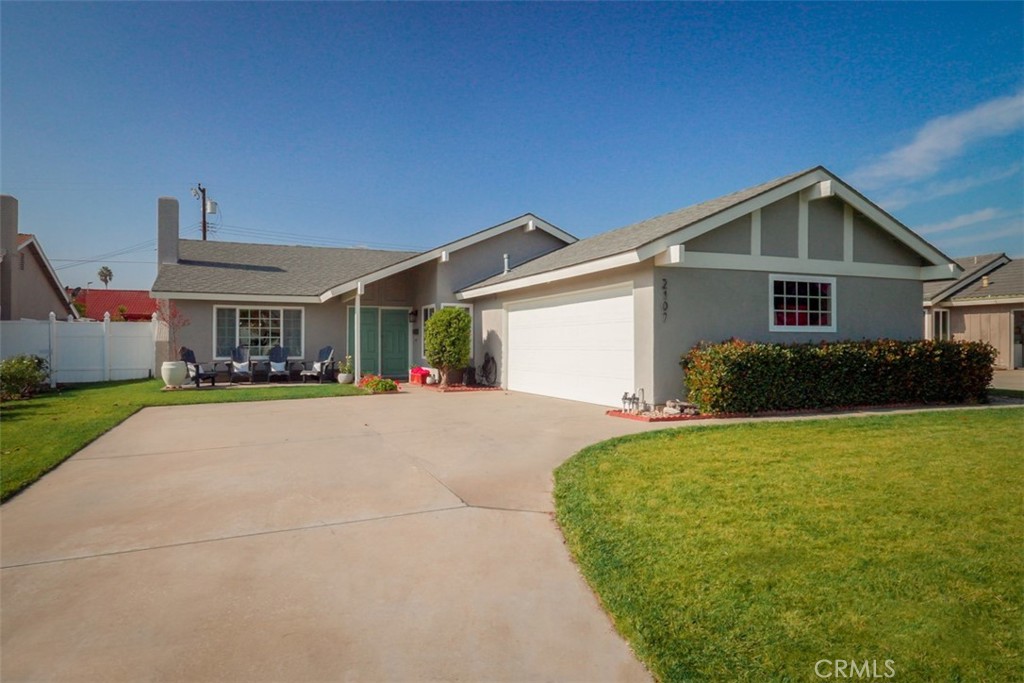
x: 468, y: 308
x: 423, y: 329
x: 937, y: 315
x: 282, y: 309
x: 833, y: 309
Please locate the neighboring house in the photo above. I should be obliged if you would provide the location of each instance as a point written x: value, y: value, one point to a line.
x: 29, y: 287
x: 986, y: 303
x: 139, y: 306
x: 803, y: 257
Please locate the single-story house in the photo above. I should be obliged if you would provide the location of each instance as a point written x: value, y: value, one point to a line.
x: 986, y: 303
x: 29, y: 286
x: 138, y: 305
x: 802, y: 257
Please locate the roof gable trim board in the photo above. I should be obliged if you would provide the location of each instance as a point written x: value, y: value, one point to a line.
x: 677, y: 256
x: 815, y: 184
x: 54, y: 280
x: 966, y: 282
x: 596, y: 266
x: 528, y: 222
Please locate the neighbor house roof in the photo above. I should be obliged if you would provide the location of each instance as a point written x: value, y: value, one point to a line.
x: 1003, y: 282
x: 138, y: 303
x: 211, y: 270
x: 30, y: 241
x: 633, y: 243
x: 975, y: 267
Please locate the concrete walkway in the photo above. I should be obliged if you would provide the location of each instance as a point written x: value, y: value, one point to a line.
x: 390, y: 538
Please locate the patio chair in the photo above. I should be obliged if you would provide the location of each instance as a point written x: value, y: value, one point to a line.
x: 240, y: 364
x: 196, y: 372
x: 322, y: 367
x: 278, y: 363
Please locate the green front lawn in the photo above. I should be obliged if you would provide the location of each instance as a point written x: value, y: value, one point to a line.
x: 38, y: 434
x: 752, y: 551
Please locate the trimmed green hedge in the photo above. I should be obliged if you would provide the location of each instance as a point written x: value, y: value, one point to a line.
x: 746, y: 377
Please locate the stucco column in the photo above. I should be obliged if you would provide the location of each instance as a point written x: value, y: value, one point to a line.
x: 356, y: 336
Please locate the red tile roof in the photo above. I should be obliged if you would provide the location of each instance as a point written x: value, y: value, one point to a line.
x: 140, y: 306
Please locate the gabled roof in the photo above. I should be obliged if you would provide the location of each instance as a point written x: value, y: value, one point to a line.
x: 527, y: 221
x: 29, y: 241
x: 267, y: 272
x: 1003, y: 282
x: 639, y: 241
x: 138, y: 303
x: 974, y: 267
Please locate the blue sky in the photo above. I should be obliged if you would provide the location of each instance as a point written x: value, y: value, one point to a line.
x: 408, y: 125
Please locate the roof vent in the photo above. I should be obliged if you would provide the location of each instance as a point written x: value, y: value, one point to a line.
x: 505, y: 257
x: 984, y: 280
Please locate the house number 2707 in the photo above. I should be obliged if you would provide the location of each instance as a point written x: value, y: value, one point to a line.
x: 664, y: 299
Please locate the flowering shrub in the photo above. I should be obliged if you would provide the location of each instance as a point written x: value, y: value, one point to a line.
x: 419, y: 372
x: 378, y: 385
x: 746, y: 377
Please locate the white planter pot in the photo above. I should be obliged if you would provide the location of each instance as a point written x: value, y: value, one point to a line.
x: 173, y: 372
x: 346, y: 378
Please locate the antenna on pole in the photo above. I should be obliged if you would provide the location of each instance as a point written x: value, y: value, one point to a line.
x: 200, y: 194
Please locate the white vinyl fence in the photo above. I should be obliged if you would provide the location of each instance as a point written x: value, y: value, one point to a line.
x: 84, y: 351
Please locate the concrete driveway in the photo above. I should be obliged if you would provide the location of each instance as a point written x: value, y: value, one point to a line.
x: 389, y: 538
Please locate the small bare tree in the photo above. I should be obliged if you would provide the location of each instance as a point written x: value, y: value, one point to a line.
x: 171, y: 315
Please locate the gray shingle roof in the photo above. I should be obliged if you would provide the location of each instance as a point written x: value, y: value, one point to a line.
x: 634, y: 236
x: 1005, y: 281
x: 971, y: 265
x: 267, y: 269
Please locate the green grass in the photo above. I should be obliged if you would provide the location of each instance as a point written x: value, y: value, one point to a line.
x: 751, y: 551
x: 38, y: 434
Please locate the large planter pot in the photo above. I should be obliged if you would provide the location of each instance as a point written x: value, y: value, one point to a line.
x: 173, y: 372
x: 346, y: 378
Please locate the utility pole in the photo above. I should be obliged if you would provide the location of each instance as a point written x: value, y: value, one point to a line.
x: 202, y: 190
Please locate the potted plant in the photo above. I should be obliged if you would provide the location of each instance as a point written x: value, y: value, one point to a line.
x: 173, y: 371
x: 345, y: 373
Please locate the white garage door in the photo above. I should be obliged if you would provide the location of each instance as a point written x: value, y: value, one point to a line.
x: 578, y: 347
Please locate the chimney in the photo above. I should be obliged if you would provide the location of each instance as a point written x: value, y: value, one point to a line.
x: 166, y: 230
x: 9, y: 250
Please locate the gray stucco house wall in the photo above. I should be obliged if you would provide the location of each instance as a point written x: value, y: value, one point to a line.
x: 804, y: 257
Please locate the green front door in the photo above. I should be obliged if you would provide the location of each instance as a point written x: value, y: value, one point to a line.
x: 394, y: 342
x: 384, y: 340
x: 369, y: 338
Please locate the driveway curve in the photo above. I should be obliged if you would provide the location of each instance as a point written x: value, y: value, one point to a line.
x: 387, y: 538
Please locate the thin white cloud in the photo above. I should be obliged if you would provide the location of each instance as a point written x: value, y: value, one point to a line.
x: 942, y: 139
x: 1016, y: 230
x: 961, y: 221
x: 905, y: 196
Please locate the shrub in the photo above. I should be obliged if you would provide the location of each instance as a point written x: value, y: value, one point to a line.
x: 746, y: 377
x: 446, y: 340
x: 21, y: 376
x: 378, y: 385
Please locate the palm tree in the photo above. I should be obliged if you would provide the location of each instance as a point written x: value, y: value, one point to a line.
x: 106, y: 275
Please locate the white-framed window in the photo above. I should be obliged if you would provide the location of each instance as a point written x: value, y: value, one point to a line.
x: 468, y: 308
x: 940, y: 324
x: 801, y: 303
x: 425, y: 314
x: 259, y: 328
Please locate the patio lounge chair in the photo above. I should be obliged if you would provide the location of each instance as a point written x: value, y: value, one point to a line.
x: 196, y: 372
x: 322, y: 367
x: 240, y: 364
x: 278, y: 363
